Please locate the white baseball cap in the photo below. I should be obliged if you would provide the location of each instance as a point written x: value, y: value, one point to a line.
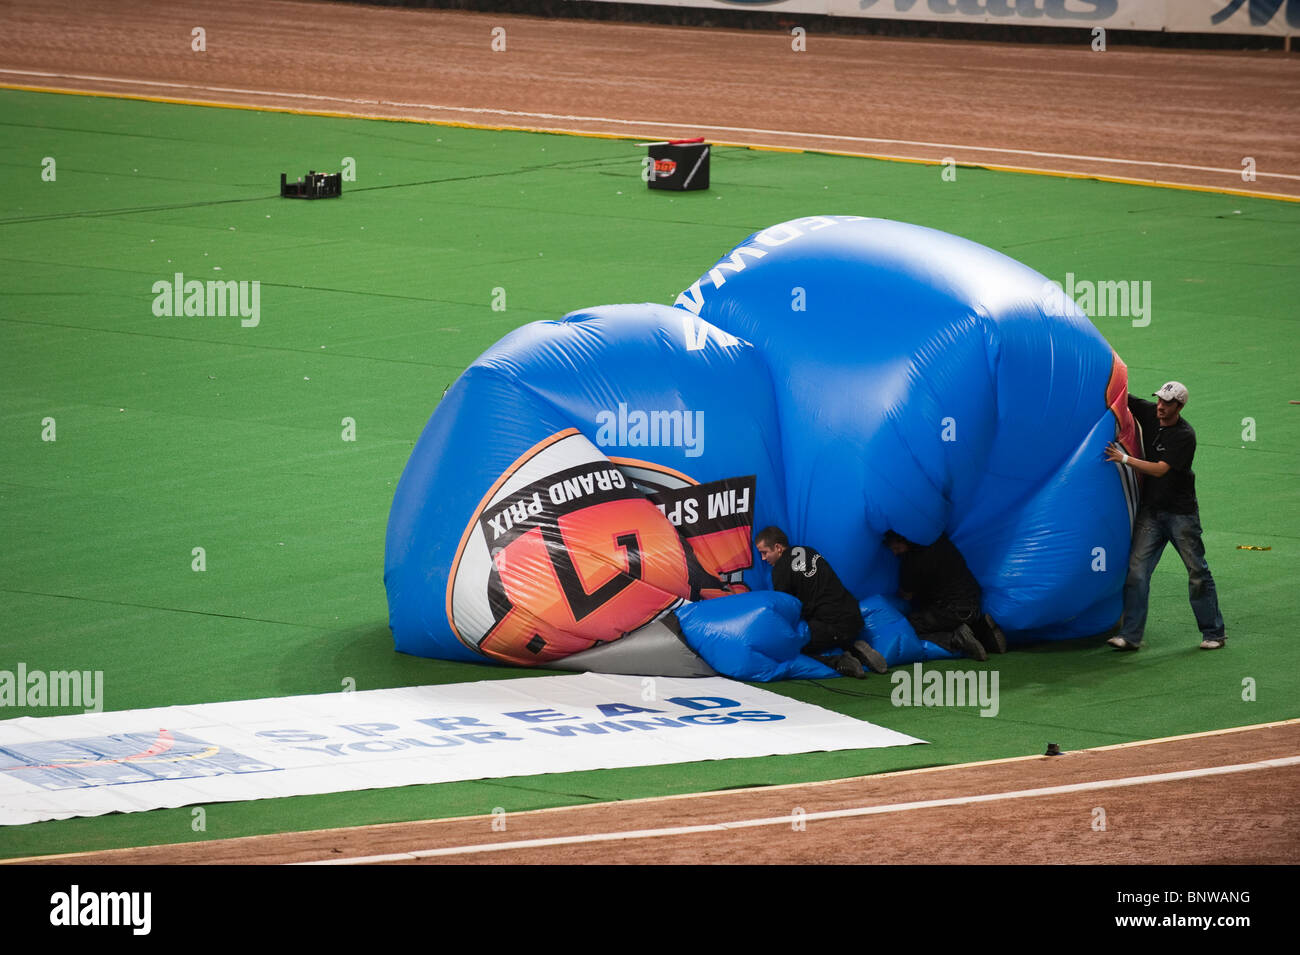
x: 1172, y: 391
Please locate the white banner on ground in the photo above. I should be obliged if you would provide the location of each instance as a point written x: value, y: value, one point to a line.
x: 89, y: 764
x: 1273, y: 17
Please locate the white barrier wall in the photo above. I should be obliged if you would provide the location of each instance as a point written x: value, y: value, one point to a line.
x: 1271, y: 17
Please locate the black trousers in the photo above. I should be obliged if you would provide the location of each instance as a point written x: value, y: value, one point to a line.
x: 936, y: 622
x: 825, y: 636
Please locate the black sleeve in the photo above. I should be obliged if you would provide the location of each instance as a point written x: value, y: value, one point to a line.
x: 781, y: 574
x: 1144, y: 412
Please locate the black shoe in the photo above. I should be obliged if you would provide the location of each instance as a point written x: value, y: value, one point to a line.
x: 867, y: 654
x: 846, y: 664
x: 990, y: 635
x: 964, y: 642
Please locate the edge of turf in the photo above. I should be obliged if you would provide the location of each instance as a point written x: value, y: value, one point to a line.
x: 342, y: 114
x: 476, y: 797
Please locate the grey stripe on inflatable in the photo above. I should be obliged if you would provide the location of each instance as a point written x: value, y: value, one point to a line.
x: 654, y: 650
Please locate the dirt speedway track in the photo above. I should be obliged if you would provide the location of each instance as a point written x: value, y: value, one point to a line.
x: 1168, y: 116
x: 1149, y: 115
x: 1221, y: 798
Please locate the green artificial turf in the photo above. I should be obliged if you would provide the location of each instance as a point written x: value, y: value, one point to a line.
x: 173, y: 433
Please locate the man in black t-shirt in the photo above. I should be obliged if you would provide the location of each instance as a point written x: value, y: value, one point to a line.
x: 945, y: 597
x: 1169, y: 512
x: 834, y: 618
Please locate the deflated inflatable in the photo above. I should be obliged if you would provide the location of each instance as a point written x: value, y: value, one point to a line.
x: 586, y: 494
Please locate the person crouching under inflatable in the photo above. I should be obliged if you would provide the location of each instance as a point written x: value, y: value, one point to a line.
x: 834, y: 618
x: 945, y: 597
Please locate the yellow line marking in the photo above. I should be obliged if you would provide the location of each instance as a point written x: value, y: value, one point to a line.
x: 336, y: 114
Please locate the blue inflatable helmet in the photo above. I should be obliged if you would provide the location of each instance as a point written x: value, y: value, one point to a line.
x: 836, y: 376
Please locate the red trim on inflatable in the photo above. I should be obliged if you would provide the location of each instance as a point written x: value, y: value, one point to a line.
x: 482, y: 504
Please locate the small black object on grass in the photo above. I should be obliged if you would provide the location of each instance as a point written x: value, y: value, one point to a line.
x: 1053, y: 749
x: 315, y: 185
x: 679, y: 164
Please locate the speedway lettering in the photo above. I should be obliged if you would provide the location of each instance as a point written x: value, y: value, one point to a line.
x: 778, y: 235
x: 453, y: 731
x: 545, y: 501
x: 705, y: 508
x: 717, y: 522
x: 57, y: 767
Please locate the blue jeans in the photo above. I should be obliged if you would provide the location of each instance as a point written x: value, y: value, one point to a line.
x: 1153, y: 530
